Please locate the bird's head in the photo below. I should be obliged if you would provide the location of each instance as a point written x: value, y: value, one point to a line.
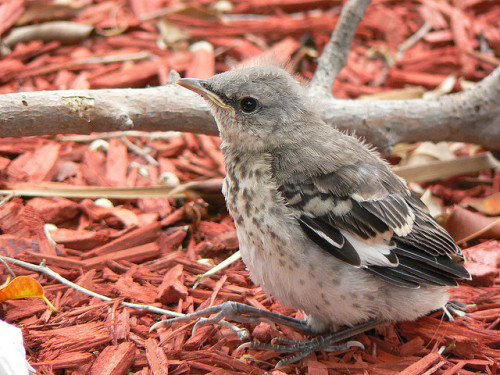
x: 256, y: 108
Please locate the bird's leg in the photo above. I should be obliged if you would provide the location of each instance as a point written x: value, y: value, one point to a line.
x: 237, y: 312
x: 242, y: 313
x: 325, y: 342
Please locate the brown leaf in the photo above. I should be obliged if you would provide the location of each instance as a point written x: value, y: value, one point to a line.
x: 464, y: 225
x: 488, y: 206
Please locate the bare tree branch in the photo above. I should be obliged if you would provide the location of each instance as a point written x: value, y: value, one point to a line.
x: 470, y: 116
x: 168, y: 107
x: 336, y: 51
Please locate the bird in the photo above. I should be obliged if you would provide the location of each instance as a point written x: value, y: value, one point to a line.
x: 323, y: 223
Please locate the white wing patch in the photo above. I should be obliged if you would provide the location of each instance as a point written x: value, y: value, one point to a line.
x: 319, y: 207
x: 405, y: 229
x: 371, y: 254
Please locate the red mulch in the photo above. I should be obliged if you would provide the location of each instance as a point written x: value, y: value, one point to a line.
x: 151, y: 250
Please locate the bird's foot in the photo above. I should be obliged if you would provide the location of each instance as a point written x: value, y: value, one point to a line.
x: 304, y: 348
x: 455, y: 308
x: 237, y: 312
x: 242, y: 313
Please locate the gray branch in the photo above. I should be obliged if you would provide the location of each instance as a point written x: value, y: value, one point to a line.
x: 470, y: 116
x: 168, y: 107
x: 336, y: 51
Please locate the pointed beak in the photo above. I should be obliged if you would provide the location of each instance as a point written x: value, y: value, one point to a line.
x: 201, y: 87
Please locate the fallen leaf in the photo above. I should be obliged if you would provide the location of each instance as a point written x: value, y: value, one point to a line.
x: 464, y: 225
x: 22, y: 287
x: 488, y: 206
x: 433, y: 204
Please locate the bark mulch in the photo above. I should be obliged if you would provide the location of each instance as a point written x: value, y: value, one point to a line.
x: 150, y: 249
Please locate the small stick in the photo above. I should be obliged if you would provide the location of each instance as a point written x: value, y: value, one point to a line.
x: 139, y: 151
x: 42, y: 268
x: 336, y: 51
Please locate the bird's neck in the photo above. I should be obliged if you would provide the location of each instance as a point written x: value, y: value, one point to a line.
x: 242, y: 164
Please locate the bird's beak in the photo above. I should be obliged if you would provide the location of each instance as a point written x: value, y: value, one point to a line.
x: 200, y: 86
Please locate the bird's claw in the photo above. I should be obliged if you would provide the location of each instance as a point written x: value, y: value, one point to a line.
x: 238, y: 312
x: 304, y: 348
x: 247, y: 314
x: 455, y: 308
x: 242, y: 333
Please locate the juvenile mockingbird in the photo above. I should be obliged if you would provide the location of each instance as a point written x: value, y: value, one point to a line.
x: 323, y: 224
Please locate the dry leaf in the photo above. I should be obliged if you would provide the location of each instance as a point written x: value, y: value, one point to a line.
x: 440, y: 170
x: 488, y: 206
x: 405, y: 93
x: 464, y: 225
x: 427, y: 152
x: 434, y: 205
x: 170, y: 33
x: 22, y: 287
x: 444, y: 88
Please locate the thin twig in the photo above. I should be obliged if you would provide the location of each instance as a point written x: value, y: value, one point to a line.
x: 225, y: 263
x: 55, y: 189
x: 479, y: 232
x: 108, y: 135
x: 7, y: 198
x: 8, y: 268
x: 42, y: 268
x: 336, y: 51
x: 139, y: 151
x: 414, y: 39
x: 109, y: 59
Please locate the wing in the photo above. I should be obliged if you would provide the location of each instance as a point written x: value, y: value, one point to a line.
x: 366, y: 216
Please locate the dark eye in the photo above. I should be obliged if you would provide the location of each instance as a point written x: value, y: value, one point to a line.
x: 248, y: 104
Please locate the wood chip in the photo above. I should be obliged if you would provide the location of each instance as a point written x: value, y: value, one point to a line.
x: 143, y: 245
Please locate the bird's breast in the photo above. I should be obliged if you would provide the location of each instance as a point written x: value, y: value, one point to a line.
x: 262, y: 219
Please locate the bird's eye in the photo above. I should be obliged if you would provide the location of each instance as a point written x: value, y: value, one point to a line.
x: 248, y: 104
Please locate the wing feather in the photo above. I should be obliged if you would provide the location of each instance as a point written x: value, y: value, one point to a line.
x: 373, y: 221
x: 330, y: 239
x: 394, y: 276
